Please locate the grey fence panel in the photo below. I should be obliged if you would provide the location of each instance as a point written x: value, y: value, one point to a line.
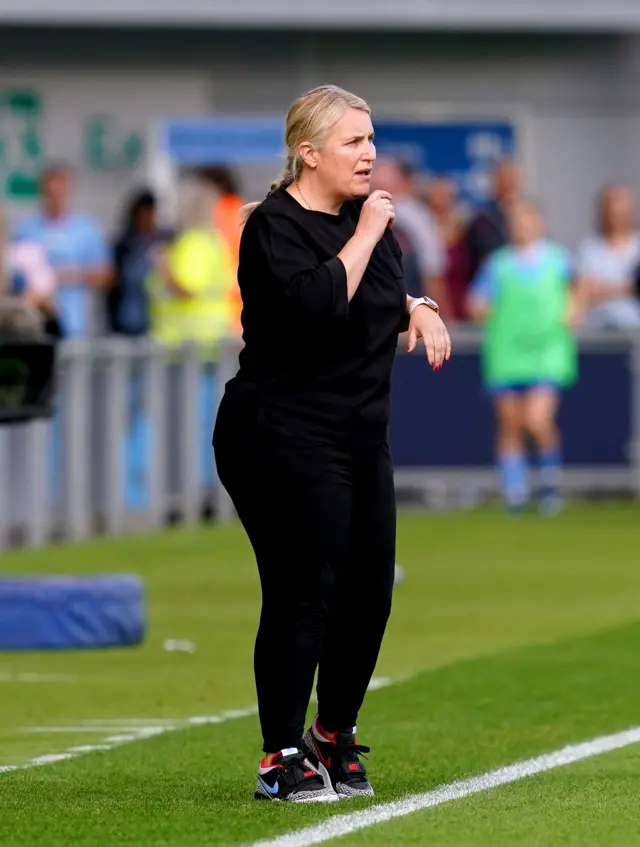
x: 118, y: 367
x: 76, y: 441
x: 154, y: 376
x: 71, y: 477
x: 186, y: 411
x: 38, y: 514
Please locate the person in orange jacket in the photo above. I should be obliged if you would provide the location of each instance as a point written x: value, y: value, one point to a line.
x: 225, y: 216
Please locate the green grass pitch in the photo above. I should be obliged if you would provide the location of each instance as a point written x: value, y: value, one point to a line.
x: 508, y: 639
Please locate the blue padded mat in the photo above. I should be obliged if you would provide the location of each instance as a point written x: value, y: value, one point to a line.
x: 67, y: 613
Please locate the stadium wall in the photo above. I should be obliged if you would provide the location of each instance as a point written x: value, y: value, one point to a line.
x: 576, y: 94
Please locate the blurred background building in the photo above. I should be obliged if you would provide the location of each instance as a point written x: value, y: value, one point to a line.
x: 99, y: 76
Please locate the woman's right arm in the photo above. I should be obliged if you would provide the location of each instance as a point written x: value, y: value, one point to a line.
x: 376, y: 215
x: 355, y: 256
x: 319, y: 290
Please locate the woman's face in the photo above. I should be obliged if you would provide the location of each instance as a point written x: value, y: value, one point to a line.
x: 525, y: 223
x: 344, y: 163
x: 618, y: 210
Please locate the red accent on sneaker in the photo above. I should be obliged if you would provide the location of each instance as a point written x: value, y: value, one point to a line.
x: 307, y: 774
x: 354, y: 767
x: 326, y: 736
x: 326, y: 760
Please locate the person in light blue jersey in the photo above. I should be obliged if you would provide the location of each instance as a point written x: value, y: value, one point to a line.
x: 75, y: 247
x: 525, y: 294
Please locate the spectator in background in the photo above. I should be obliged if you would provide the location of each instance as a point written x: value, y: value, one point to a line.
x: 441, y: 196
x: 226, y: 220
x: 608, y: 261
x: 75, y: 248
x: 489, y: 227
x: 524, y: 295
x: 190, y: 285
x: 128, y: 307
x: 416, y: 228
x: 28, y: 276
x: 191, y: 302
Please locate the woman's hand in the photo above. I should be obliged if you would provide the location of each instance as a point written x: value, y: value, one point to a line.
x: 376, y: 215
x: 427, y: 324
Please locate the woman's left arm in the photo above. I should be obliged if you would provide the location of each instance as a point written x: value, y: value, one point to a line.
x: 421, y: 321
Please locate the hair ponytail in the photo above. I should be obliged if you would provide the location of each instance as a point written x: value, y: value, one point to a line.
x: 286, y: 178
x: 310, y: 118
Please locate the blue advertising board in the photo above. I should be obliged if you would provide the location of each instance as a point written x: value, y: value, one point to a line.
x: 445, y: 419
x: 463, y: 150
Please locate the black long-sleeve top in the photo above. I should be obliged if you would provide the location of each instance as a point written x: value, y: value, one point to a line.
x: 318, y: 365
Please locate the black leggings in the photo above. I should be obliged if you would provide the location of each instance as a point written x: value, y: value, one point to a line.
x: 322, y: 523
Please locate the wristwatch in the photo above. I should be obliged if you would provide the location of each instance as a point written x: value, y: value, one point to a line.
x: 424, y: 301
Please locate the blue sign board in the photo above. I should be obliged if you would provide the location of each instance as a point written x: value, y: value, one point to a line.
x: 445, y: 419
x: 224, y: 139
x: 464, y: 150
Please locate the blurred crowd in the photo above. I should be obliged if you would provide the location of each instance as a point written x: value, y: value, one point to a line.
x: 175, y: 283
x: 179, y: 284
x: 445, y: 245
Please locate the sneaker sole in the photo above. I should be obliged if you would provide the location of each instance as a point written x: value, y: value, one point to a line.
x: 343, y: 792
x: 322, y: 796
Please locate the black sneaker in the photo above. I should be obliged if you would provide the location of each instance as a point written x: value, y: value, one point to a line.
x: 292, y: 777
x: 337, y: 759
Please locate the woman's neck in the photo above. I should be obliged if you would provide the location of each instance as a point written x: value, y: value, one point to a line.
x: 314, y: 197
x: 618, y: 237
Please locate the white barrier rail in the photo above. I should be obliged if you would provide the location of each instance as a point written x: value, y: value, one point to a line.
x: 129, y: 448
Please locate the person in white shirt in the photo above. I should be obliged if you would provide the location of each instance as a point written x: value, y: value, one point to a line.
x: 416, y: 222
x: 607, y: 261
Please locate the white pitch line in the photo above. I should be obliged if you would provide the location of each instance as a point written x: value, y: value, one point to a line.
x: 118, y: 722
x: 36, y: 677
x: 96, y: 729
x: 142, y: 733
x: 138, y: 734
x: 341, y: 825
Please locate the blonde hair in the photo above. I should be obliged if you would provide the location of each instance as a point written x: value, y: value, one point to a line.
x: 310, y: 118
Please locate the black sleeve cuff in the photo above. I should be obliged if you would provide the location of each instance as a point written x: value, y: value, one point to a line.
x: 339, y: 305
x: 403, y: 326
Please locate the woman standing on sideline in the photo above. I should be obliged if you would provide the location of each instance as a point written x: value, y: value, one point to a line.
x: 523, y: 292
x: 301, y: 439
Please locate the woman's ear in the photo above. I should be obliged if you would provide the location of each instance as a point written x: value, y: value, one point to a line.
x: 308, y: 154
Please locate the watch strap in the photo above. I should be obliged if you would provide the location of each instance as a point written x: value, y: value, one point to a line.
x: 424, y: 301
